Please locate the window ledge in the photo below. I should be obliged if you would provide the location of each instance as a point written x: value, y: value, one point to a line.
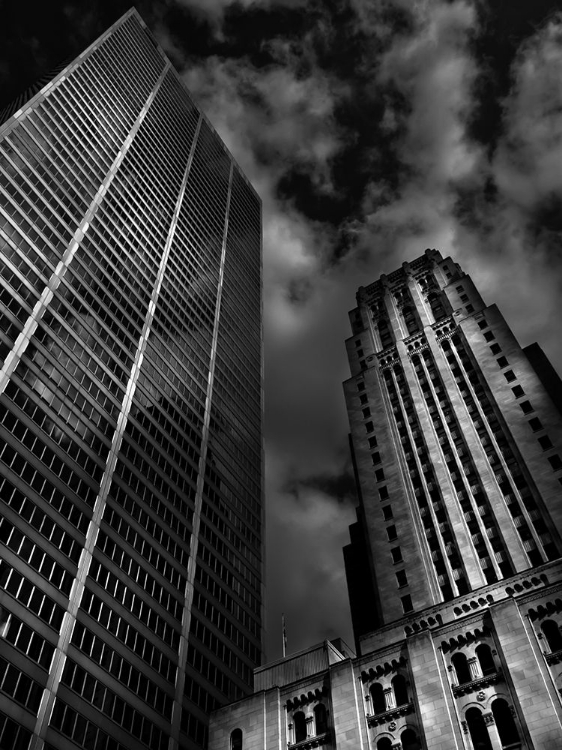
x: 481, y: 682
x: 395, y: 713
x: 554, y: 658
x: 310, y: 742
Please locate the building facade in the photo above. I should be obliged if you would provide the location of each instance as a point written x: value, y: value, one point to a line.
x: 130, y: 409
x: 454, y: 570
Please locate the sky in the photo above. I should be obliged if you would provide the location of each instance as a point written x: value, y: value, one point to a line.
x: 372, y: 131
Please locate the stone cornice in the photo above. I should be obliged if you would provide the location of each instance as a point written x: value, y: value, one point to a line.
x: 472, y: 687
x: 374, y: 720
x: 310, y: 742
x: 552, y: 659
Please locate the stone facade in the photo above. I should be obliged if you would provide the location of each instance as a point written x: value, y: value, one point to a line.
x: 454, y: 569
x: 421, y: 680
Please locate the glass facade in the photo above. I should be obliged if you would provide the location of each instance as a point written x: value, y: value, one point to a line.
x: 130, y: 409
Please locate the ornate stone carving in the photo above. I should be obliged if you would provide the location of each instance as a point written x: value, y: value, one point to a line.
x: 472, y: 687
x: 552, y: 659
x: 481, y: 696
x: 388, y: 716
x: 310, y: 742
x: 488, y: 718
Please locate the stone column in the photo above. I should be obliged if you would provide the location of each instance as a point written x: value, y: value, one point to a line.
x: 493, y: 733
x: 433, y: 697
x: 474, y: 666
x: 389, y: 699
x: 310, y: 728
x: 535, y: 700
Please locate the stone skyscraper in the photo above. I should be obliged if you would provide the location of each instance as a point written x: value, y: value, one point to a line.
x: 454, y: 569
x: 456, y: 443
x: 130, y: 409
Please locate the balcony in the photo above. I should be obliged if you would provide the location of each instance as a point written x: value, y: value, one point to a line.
x: 311, y: 742
x: 552, y: 659
x: 479, y: 684
x: 374, y: 720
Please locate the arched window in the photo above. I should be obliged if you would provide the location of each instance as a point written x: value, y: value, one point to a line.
x: 236, y: 739
x: 410, y: 740
x: 377, y: 698
x: 478, y: 730
x: 461, y: 668
x: 299, y: 720
x: 484, y: 654
x: 384, y: 744
x: 385, y: 333
x: 400, y: 690
x: 507, y: 729
x: 552, y: 634
x: 321, y: 718
x: 410, y: 319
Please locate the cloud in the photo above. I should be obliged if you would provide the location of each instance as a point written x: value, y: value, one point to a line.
x: 421, y: 181
x: 527, y: 165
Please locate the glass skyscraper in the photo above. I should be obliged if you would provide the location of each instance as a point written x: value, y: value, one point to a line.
x: 130, y: 410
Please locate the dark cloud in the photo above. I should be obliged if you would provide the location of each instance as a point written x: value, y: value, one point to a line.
x: 371, y: 131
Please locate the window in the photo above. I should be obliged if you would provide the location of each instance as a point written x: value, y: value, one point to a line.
x: 489, y: 336
x: 509, y: 375
x: 363, y: 398
x: 545, y: 442
x: 487, y: 664
x: 360, y: 352
x: 482, y: 324
x: 299, y: 722
x: 378, y: 701
x: 518, y: 391
x: 410, y: 319
x: 409, y: 740
x: 470, y: 308
x: 478, y: 729
x: 376, y: 458
x: 396, y: 553
x: 459, y: 288
x: 555, y: 462
x: 236, y: 739
x: 464, y: 298
x: 401, y: 578
x: 502, y: 362
x: 507, y: 729
x: 407, y: 605
x: 357, y: 342
x: 372, y: 442
x: 462, y: 671
x: 535, y: 424
x: 526, y: 407
x: 553, y: 637
x: 383, y: 493
x: 495, y: 348
x: 360, y: 386
x: 366, y: 413
x: 321, y: 718
x: 399, y: 684
x: 387, y: 512
x: 379, y: 475
x: 391, y: 533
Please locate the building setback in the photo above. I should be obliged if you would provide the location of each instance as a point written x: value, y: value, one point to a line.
x: 454, y: 570
x: 130, y: 409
